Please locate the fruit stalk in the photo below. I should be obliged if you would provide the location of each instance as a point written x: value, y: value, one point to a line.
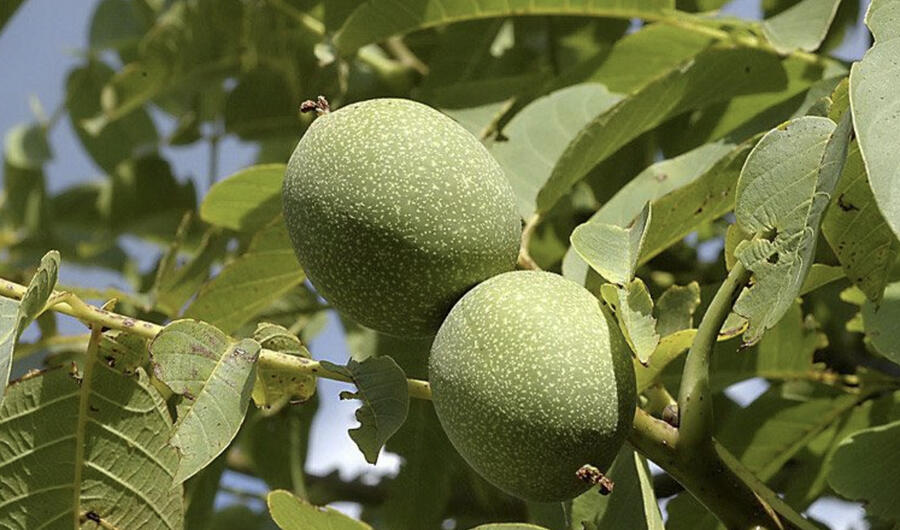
x: 695, y: 421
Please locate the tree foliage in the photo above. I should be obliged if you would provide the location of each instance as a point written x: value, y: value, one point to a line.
x: 726, y: 187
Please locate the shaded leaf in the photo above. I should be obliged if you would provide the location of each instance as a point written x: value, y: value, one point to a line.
x: 120, y: 140
x: 539, y: 133
x: 675, y: 308
x: 865, y: 468
x: 783, y: 190
x: 69, y: 448
x: 874, y: 103
x: 717, y: 74
x: 292, y: 513
x: 880, y: 323
x: 246, y: 201
x: 277, y: 446
x: 770, y: 431
x: 634, y: 311
x: 378, y: 19
x: 857, y: 232
x: 508, y: 526
x: 124, y: 352
x: 247, y: 285
x: 382, y: 388
x: 611, y: 250
x: 215, y: 376
x: 632, y: 504
x: 802, y: 26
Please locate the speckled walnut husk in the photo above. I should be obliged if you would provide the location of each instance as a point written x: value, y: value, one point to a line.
x: 395, y: 210
x: 532, y: 380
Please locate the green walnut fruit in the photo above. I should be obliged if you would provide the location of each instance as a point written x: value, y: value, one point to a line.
x: 395, y: 210
x: 532, y: 380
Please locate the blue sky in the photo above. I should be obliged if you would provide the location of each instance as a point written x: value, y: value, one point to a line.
x: 37, y: 48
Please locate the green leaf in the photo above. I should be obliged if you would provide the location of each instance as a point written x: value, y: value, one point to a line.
x: 873, y: 101
x: 144, y: 198
x: 538, y: 134
x: 632, y: 504
x: 120, y: 140
x: 643, y: 56
x: 717, y: 74
x: 247, y: 285
x: 857, y: 232
x: 783, y: 190
x: 714, y: 167
x: 16, y: 315
x: 675, y: 308
x: 291, y: 513
x: 39, y: 290
x: 770, y: 431
x: 115, y: 24
x: 7, y: 10
x: 124, y: 352
x: 668, y: 349
x: 378, y: 19
x: 246, y: 201
x: 73, y: 449
x: 381, y: 386
x: 802, y: 26
x: 26, y: 146
x: 418, y: 496
x: 611, y: 250
x: 175, y: 286
x: 200, y: 494
x: 261, y: 105
x: 508, y: 526
x: 865, y: 468
x: 634, y: 311
x: 9, y: 333
x: 880, y: 323
x: 214, y: 375
x: 277, y: 446
x: 127, y: 91
x: 273, y: 389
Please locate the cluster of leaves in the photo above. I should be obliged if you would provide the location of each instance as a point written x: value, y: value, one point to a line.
x: 627, y: 151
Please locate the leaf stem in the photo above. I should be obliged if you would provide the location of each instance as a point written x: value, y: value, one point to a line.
x: 69, y: 304
x: 694, y: 397
x: 525, y: 259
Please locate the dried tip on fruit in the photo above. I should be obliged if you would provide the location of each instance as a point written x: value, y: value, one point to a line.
x: 593, y: 476
x: 320, y: 106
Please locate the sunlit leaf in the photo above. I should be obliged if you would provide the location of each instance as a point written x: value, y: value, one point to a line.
x: 73, y: 450
x: 802, y: 26
x: 291, y: 513
x: 634, y: 311
x: 214, y: 375
x: 376, y: 20
x: 382, y: 388
x: 612, y: 250
x: 784, y: 188
x: 247, y: 200
x: 717, y: 74
x: 874, y: 101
